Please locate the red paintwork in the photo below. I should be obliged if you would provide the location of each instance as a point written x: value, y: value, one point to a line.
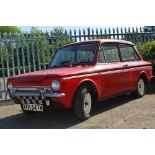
x: 107, y: 84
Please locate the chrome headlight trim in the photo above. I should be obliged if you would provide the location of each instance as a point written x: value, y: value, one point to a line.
x: 55, y: 84
x: 9, y: 86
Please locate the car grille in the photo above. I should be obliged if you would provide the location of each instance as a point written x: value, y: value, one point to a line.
x: 32, y: 100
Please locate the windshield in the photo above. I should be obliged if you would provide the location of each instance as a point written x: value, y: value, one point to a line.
x: 75, y: 55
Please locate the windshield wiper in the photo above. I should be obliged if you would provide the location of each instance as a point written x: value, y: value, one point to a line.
x: 83, y: 62
x: 64, y: 62
x: 55, y: 66
x: 68, y: 64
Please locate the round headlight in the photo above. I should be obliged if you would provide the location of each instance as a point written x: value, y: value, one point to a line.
x: 55, y: 84
x: 9, y: 85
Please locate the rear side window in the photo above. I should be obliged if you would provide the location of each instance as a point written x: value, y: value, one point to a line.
x: 128, y: 53
x: 108, y: 54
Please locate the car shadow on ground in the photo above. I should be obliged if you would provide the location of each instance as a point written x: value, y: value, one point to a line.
x: 62, y: 119
x: 151, y: 87
x: 59, y: 119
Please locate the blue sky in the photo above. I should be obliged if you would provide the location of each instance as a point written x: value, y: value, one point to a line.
x: 49, y: 28
x: 28, y: 28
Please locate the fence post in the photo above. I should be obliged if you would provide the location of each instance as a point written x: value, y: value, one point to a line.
x: 97, y: 33
x: 23, y: 56
x: 12, y: 54
x: 84, y: 34
x: 52, y: 40
x: 56, y: 39
x: 88, y: 30
x: 38, y: 50
x: 92, y: 33
x: 117, y: 31
x: 126, y: 34
x: 61, y: 39
x: 105, y: 33
x: 133, y: 35
x: 33, y: 52
x: 129, y: 31
x: 7, y: 55
x: 144, y: 39
x: 101, y: 35
x: 109, y: 33
x: 113, y: 30
x: 137, y: 35
x: 141, y: 35
x: 43, y: 50
x: 75, y: 35
x: 2, y: 62
x: 70, y: 35
x: 28, y: 52
x: 17, y: 52
x: 47, y: 47
x: 79, y: 35
x: 66, y: 37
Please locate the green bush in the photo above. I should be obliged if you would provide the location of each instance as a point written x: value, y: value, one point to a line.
x: 147, y: 50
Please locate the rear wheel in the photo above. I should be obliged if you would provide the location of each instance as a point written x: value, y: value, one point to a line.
x: 83, y: 103
x: 141, y: 88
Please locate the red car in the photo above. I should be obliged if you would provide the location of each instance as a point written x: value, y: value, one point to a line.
x: 82, y: 74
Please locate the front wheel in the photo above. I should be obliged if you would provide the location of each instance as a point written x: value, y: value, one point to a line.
x: 83, y: 103
x: 141, y: 88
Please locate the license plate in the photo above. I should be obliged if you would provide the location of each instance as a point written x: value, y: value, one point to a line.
x: 33, y: 107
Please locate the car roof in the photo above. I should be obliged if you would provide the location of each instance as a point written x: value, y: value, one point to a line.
x: 102, y: 41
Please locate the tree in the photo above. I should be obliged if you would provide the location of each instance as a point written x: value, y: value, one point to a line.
x: 9, y: 29
x: 35, y: 30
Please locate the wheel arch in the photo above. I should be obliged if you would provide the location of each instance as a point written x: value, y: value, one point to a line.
x: 91, y: 85
x: 144, y: 76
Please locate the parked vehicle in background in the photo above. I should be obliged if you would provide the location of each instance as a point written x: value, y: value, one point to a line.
x: 82, y: 74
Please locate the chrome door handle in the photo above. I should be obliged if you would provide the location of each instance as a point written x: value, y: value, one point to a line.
x: 125, y: 65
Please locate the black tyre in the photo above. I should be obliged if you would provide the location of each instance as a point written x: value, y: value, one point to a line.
x: 83, y: 103
x: 141, y: 88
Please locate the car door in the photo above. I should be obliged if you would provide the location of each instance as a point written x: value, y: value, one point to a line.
x: 131, y: 61
x: 113, y: 79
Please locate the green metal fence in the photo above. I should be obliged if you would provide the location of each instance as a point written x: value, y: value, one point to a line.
x: 25, y: 52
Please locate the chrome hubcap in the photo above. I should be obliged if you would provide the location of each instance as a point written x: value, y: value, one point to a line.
x: 141, y: 87
x: 87, y: 103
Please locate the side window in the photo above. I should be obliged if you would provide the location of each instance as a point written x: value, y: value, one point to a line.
x: 108, y: 53
x: 128, y: 53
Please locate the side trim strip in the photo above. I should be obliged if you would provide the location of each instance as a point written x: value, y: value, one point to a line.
x: 105, y: 73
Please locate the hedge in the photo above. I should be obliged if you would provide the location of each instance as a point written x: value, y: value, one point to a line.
x: 147, y: 50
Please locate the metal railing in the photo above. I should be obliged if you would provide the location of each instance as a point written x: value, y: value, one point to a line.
x: 25, y: 52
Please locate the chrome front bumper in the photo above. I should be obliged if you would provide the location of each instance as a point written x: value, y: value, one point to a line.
x: 42, y: 92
